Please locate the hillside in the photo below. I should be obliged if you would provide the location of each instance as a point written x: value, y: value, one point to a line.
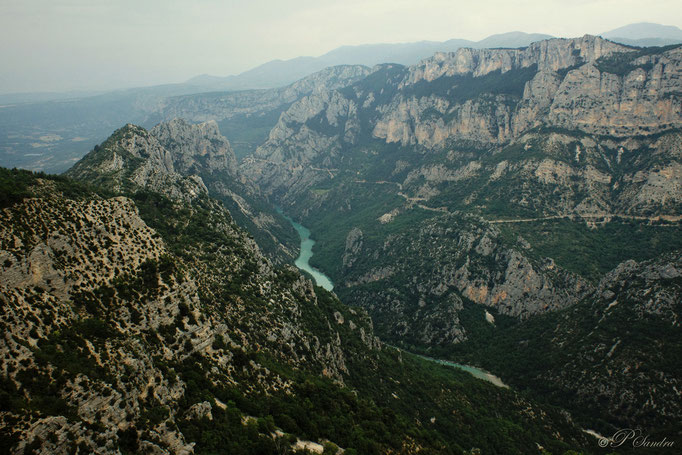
x: 519, y: 210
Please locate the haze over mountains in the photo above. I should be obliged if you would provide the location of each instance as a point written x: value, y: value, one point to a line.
x: 278, y: 73
x: 645, y: 34
x: 50, y: 131
x: 281, y: 72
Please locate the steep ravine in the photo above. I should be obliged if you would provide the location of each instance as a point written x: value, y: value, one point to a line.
x: 324, y: 281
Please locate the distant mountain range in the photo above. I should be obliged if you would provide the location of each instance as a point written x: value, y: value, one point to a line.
x: 278, y: 73
x: 644, y: 34
x: 50, y: 131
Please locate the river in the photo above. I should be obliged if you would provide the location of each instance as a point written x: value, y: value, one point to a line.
x: 303, y: 263
x: 303, y: 260
x: 476, y: 372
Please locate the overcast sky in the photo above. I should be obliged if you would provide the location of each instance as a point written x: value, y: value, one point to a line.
x: 61, y: 45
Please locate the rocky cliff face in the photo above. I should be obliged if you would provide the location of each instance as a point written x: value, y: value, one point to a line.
x: 197, y: 149
x: 488, y: 97
x: 592, y: 122
x: 588, y: 84
x: 448, y: 259
x: 547, y: 55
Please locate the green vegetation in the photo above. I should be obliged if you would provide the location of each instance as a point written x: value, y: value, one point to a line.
x: 622, y: 63
x: 14, y: 186
x: 381, y: 410
x: 594, y: 251
x: 67, y: 349
x: 545, y: 355
x: 18, y: 184
x: 369, y: 201
x: 459, y: 89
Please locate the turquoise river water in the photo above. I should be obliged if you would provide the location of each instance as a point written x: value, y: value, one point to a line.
x: 303, y: 263
x: 303, y: 260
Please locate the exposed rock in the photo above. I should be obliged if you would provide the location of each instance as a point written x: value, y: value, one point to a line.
x: 353, y: 247
x: 196, y: 149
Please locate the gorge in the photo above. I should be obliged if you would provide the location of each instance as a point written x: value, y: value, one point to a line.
x: 517, y: 210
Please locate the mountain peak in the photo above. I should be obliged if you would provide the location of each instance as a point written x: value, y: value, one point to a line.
x: 131, y: 159
x: 643, y: 30
x: 645, y: 34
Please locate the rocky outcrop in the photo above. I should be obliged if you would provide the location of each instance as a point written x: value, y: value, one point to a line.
x: 183, y: 161
x: 132, y: 157
x: 197, y: 149
x: 353, y: 247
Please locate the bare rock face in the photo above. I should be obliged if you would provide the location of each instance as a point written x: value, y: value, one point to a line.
x: 353, y: 247
x: 588, y: 98
x: 640, y: 101
x: 645, y: 284
x: 196, y: 149
x: 296, y: 141
x: 548, y: 55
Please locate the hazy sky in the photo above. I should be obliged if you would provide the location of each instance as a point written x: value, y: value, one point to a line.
x: 100, y: 44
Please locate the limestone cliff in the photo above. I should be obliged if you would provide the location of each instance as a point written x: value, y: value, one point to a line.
x: 197, y: 149
x: 468, y: 261
x: 489, y: 97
